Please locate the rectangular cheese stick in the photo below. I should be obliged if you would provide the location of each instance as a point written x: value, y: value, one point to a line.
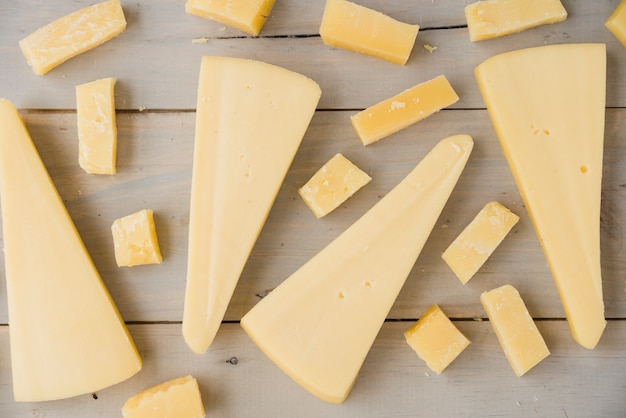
x: 248, y: 16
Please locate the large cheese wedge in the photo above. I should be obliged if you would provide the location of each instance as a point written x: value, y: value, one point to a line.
x: 319, y: 324
x: 73, y: 34
x: 248, y: 16
x: 547, y: 106
x: 67, y: 337
x: 250, y: 120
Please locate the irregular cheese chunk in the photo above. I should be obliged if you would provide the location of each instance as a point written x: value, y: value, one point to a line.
x: 332, y: 185
x: 250, y: 120
x: 73, y: 34
x: 487, y: 19
x: 519, y: 337
x: 547, y: 105
x: 356, y: 28
x: 248, y: 16
x: 616, y: 23
x: 67, y: 337
x: 404, y: 109
x: 135, y: 240
x: 176, y: 398
x: 469, y: 251
x: 97, y: 130
x: 319, y: 324
x: 436, y: 340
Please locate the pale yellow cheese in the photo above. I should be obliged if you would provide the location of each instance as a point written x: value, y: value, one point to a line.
x: 436, y: 340
x: 73, y: 34
x: 332, y: 185
x: 473, y: 246
x: 616, y: 23
x: 176, y: 398
x: 489, y: 19
x: 319, y: 324
x: 250, y: 120
x: 135, y: 239
x: 517, y: 333
x: 403, y: 109
x: 547, y: 105
x: 66, y: 335
x: 97, y: 129
x: 248, y: 16
x: 357, y: 28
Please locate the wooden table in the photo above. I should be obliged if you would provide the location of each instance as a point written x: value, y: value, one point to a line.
x: 156, y: 62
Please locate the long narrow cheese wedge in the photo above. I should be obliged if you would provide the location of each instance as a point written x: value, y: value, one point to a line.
x: 73, y: 34
x: 547, y: 106
x: 250, y: 120
x: 248, y: 16
x: 487, y: 19
x: 404, y: 109
x: 319, y: 324
x: 97, y: 129
x: 357, y: 28
x: 176, y: 398
x: 67, y: 337
x: 616, y: 23
x: 517, y: 333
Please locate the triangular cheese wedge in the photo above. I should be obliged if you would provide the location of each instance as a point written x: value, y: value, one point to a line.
x: 320, y: 323
x: 66, y: 335
x: 250, y: 120
x: 547, y: 105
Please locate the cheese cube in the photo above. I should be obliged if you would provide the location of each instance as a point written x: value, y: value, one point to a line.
x: 248, y: 16
x: 97, y: 131
x: 435, y: 339
x: 175, y: 398
x: 135, y: 240
x: 519, y: 337
x: 403, y: 109
x: 73, y: 34
x: 494, y: 18
x: 356, y: 28
x: 332, y: 185
x: 616, y: 23
x: 469, y: 251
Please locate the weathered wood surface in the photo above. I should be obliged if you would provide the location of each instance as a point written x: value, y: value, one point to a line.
x: 156, y: 64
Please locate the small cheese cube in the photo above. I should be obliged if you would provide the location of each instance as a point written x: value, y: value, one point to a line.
x: 135, y: 239
x: 435, y: 339
x: 469, y: 251
x: 248, y: 16
x: 403, y: 109
x: 332, y: 185
x: 356, y: 28
x: 617, y: 22
x: 493, y: 18
x: 73, y: 34
x: 519, y: 337
x: 97, y: 131
x: 175, y: 398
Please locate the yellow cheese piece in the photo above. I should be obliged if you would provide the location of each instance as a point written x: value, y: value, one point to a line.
x: 356, y: 28
x: 404, y: 109
x: 489, y: 19
x: 97, y: 130
x: 135, y: 240
x: 176, y: 398
x: 616, y: 23
x: 332, y: 185
x: 519, y: 337
x: 250, y: 120
x: 469, y: 251
x: 67, y: 337
x: 547, y: 105
x: 436, y: 340
x: 248, y: 16
x: 319, y: 324
x: 73, y: 34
